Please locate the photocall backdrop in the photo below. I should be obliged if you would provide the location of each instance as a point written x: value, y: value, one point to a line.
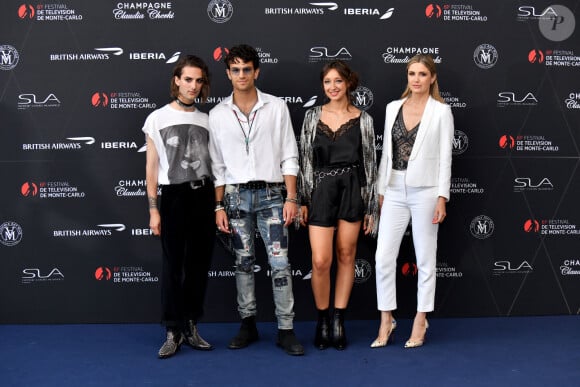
x: 79, y: 78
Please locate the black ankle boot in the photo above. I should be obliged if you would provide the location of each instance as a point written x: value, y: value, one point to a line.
x: 247, y: 334
x: 322, y: 336
x: 338, y: 334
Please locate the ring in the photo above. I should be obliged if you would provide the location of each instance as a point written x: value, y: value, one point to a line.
x: 219, y: 228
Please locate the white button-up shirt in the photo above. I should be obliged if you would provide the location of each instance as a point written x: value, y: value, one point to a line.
x: 271, y: 151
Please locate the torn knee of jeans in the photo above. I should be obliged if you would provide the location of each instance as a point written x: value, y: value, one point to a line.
x: 246, y: 264
x: 281, y: 281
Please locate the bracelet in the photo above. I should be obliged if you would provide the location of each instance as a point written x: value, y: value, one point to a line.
x: 292, y: 200
x: 219, y: 208
x: 152, y: 202
x: 219, y: 203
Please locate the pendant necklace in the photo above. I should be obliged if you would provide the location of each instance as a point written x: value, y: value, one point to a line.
x: 250, y: 124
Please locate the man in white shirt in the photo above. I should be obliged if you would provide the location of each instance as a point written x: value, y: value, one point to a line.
x: 254, y: 157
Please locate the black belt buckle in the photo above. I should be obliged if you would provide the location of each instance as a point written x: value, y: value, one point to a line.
x: 256, y: 184
x: 198, y: 183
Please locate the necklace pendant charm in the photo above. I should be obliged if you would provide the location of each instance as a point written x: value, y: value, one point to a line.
x: 247, y: 146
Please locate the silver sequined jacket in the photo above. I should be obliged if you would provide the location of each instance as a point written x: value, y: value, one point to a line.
x: 306, y: 175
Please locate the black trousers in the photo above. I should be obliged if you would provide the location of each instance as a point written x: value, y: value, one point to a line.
x: 187, y: 238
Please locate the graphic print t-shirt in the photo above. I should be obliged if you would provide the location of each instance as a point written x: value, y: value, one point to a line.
x: 181, y: 140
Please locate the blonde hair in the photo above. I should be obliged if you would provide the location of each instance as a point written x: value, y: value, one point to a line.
x: 428, y: 62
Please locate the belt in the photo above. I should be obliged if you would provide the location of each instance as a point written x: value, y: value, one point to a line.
x: 195, y: 184
x: 257, y: 184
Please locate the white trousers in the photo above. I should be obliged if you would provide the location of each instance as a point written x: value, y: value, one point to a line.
x: 401, y: 204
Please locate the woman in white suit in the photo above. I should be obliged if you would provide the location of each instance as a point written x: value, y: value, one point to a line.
x: 413, y: 184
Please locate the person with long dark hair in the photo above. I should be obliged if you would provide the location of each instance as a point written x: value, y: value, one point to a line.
x: 414, y: 184
x: 337, y: 188
x: 178, y: 162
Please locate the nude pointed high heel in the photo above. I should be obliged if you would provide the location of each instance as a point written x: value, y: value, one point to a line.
x: 383, y: 343
x: 414, y: 344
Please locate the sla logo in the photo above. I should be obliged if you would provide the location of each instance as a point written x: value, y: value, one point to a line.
x: 485, y: 56
x: 362, y: 98
x: 10, y: 233
x: 460, y: 142
x: 507, y: 141
x: 323, y: 53
x: 409, y: 269
x: 34, y: 275
x: 501, y: 267
x: 527, y: 11
x: 31, y: 100
x: 536, y: 56
x: 220, y: 11
x: 103, y: 273
x: 433, y: 11
x: 510, y: 98
x: 527, y: 184
x: 481, y: 227
x: 26, y: 11
x: 100, y: 99
x: 531, y: 225
x: 362, y: 271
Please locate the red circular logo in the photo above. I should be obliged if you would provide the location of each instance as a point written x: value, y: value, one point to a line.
x: 220, y: 53
x: 506, y: 141
x: 26, y: 11
x: 100, y: 99
x: 29, y: 189
x: 103, y: 273
x: 433, y: 11
x: 531, y: 225
x: 409, y: 269
x: 536, y: 56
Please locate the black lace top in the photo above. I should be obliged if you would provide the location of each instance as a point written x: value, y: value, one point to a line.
x: 403, y: 141
x: 339, y: 148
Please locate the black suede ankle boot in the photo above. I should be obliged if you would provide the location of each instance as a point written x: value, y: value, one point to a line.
x: 338, y: 334
x: 322, y: 335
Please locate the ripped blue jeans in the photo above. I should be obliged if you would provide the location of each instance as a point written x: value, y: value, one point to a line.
x: 261, y: 208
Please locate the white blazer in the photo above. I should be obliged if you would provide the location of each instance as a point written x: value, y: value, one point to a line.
x: 430, y: 160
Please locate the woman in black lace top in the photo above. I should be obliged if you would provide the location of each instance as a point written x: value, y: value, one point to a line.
x: 337, y: 188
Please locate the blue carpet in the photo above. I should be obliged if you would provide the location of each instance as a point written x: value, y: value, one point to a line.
x: 514, y: 351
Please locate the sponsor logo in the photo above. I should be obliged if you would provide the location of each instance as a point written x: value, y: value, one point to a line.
x: 531, y: 225
x: 409, y: 269
x: 103, y: 273
x: 131, y: 188
x: 362, y: 98
x: 444, y: 270
x: 219, y: 53
x: 559, y: 25
x: 536, y: 56
x: 532, y: 144
x: 460, y: 142
x: 509, y: 267
x: 528, y: 12
x: 318, y: 8
x: 463, y: 185
x: 561, y: 58
x: 398, y: 55
x: 573, y: 101
x: 362, y: 271
x: 121, y: 100
x: 322, y: 53
x: 103, y: 230
x: 29, y: 100
x: 138, y: 11
x: 525, y: 184
x: 102, y: 53
x: 266, y: 56
x: 556, y: 227
x: 75, y: 143
x: 220, y: 11
x: 454, y: 13
x: 8, y: 57
x: 35, y: 275
x: 510, y: 98
x: 485, y: 56
x: 114, y: 145
x: 51, y: 190
x: 125, y: 275
x: 49, y: 13
x: 369, y: 12
x: 379, y: 142
x: 10, y: 233
x: 453, y: 101
x: 482, y: 227
x: 570, y: 267
x: 155, y: 56
x: 311, y: 102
